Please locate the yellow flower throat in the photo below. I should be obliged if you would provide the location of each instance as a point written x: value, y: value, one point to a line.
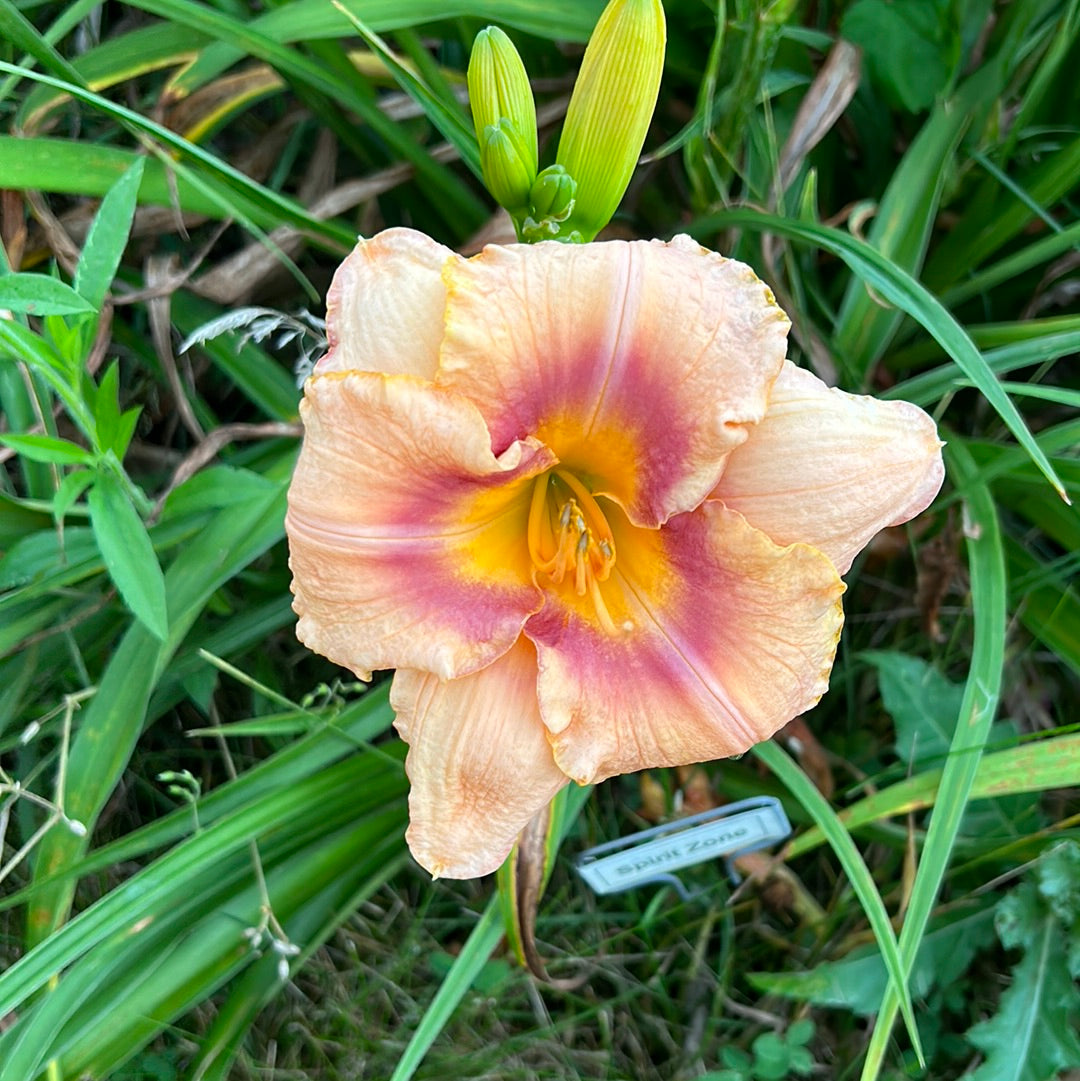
x: 570, y: 539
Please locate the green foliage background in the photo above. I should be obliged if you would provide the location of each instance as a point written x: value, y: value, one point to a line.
x: 203, y: 858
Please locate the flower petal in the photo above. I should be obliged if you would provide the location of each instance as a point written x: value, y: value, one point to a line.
x: 640, y: 364
x: 723, y: 638
x: 479, y: 762
x: 406, y: 534
x: 831, y: 469
x: 384, y: 310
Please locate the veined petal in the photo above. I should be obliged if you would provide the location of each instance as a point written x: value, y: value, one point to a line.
x: 831, y: 469
x: 479, y: 762
x: 722, y: 638
x: 384, y: 310
x: 640, y: 364
x: 406, y: 533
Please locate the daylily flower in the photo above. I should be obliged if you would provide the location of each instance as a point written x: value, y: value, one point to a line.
x: 580, y: 501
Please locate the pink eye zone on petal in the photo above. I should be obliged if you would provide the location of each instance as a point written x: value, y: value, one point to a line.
x: 406, y: 533
x: 641, y: 365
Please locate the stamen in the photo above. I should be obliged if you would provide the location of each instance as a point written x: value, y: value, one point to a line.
x: 581, y: 565
x: 597, y: 521
x: 577, y: 539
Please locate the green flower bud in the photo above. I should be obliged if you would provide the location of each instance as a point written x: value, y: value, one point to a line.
x: 611, y: 107
x: 508, y: 171
x: 499, y: 88
x: 552, y: 194
x: 551, y: 202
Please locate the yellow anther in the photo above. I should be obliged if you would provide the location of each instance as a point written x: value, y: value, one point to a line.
x: 568, y: 535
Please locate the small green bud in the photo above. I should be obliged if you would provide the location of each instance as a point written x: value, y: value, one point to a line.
x: 552, y: 194
x: 499, y: 88
x: 508, y: 172
x: 611, y: 108
x: 551, y: 202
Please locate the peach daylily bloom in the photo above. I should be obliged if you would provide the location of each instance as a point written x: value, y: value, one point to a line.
x: 579, y: 499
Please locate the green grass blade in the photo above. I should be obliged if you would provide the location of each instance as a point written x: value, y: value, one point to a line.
x: 324, y: 835
x: 803, y: 789
x: 903, y: 224
x: 115, y: 60
x: 112, y: 723
x: 1051, y: 180
x: 326, y: 800
x: 304, y: 889
x: 474, y: 955
x: 1041, y: 348
x: 1035, y: 254
x: 311, y: 926
x: 1037, y: 766
x: 286, y: 210
x: 20, y: 32
x: 446, y: 118
x: 986, y: 560
x: 78, y: 168
x: 310, y: 20
x: 904, y: 291
x: 354, y: 728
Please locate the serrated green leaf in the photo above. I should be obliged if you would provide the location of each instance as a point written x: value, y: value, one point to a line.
x: 1033, y: 1037
x: 38, y: 294
x: 857, y: 982
x: 108, y: 236
x: 128, y: 554
x: 922, y: 703
x: 1058, y: 877
x: 47, y: 448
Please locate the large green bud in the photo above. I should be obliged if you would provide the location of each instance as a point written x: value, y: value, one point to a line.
x: 611, y: 107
